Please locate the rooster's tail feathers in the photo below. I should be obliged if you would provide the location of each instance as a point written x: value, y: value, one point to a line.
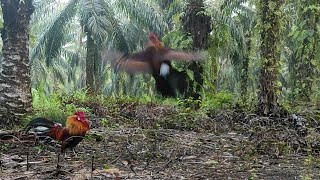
x: 40, y: 126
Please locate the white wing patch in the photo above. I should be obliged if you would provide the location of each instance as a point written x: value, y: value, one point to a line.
x: 164, y: 69
x: 39, y: 130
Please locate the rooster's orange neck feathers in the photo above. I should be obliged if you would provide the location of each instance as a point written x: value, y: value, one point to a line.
x: 76, y: 127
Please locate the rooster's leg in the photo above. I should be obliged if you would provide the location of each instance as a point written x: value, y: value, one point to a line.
x: 58, y: 162
x: 74, y: 152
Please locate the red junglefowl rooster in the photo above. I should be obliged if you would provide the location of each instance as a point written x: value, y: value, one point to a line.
x: 69, y: 136
x: 155, y: 59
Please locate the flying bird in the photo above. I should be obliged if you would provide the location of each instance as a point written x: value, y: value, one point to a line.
x: 156, y: 60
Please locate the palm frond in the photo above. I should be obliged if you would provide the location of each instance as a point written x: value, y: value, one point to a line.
x: 94, y: 18
x: 169, y: 8
x: 51, y: 41
x: 235, y: 30
x: 59, y: 72
x: 44, y: 9
x: 39, y: 73
x: 233, y: 3
x: 117, y: 34
x: 143, y: 13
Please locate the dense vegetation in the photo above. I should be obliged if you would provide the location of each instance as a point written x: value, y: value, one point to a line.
x: 264, y: 54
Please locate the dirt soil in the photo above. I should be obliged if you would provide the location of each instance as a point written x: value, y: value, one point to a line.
x: 136, y: 145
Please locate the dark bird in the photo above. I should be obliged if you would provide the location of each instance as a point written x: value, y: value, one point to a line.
x: 69, y: 136
x: 156, y: 60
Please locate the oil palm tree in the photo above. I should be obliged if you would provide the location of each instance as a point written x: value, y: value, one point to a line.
x: 15, y: 84
x: 304, y: 43
x: 196, y: 23
x: 245, y: 18
x: 270, y: 15
x: 121, y: 24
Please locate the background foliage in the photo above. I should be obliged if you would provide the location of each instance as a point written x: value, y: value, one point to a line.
x: 58, y: 47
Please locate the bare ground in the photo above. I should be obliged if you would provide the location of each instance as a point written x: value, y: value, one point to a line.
x: 141, y: 143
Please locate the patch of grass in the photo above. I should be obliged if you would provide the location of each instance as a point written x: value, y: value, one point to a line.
x: 185, y: 119
x: 312, y: 141
x: 253, y: 174
x: 214, y: 102
x: 52, y: 106
x: 57, y: 107
x: 104, y: 122
x: 310, y: 162
x: 188, y: 111
x: 4, y: 147
x: 306, y: 177
x: 96, y: 137
x: 107, y: 124
x: 39, y: 148
x: 106, y: 166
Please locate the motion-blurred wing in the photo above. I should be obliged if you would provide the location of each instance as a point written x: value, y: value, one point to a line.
x: 170, y: 54
x: 130, y: 63
x: 132, y: 66
x: 133, y: 63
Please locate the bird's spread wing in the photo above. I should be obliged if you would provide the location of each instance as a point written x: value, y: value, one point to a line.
x: 143, y: 62
x: 133, y: 66
x: 133, y: 63
x: 170, y: 54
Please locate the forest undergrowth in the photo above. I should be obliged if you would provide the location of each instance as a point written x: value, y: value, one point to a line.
x: 139, y: 138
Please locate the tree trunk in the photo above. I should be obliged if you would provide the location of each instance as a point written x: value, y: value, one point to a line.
x: 90, y: 63
x: 245, y: 68
x: 197, y: 24
x: 15, y: 81
x: 270, y: 14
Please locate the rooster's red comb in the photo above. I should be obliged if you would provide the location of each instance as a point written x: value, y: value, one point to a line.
x: 80, y: 114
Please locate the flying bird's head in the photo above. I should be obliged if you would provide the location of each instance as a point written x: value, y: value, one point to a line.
x: 152, y: 36
x: 154, y: 41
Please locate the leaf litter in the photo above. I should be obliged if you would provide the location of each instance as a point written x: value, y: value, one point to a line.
x: 225, y: 145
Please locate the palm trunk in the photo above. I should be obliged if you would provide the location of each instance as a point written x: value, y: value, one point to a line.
x: 90, y: 63
x: 15, y: 81
x: 198, y: 25
x: 270, y: 16
x: 244, y: 71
